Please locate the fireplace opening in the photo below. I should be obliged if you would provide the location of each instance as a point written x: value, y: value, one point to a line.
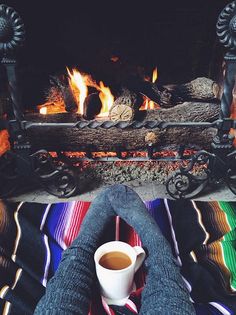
x: 177, y: 38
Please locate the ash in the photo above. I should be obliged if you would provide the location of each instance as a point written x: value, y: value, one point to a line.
x: 124, y: 171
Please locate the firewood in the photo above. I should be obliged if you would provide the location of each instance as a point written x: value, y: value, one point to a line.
x: 73, y: 139
x: 126, y: 106
x: 187, y: 111
x: 202, y: 89
x: 146, y: 88
x: 65, y: 92
x: 71, y: 105
x: 92, y: 106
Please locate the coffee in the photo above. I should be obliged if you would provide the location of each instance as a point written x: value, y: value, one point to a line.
x: 115, y: 260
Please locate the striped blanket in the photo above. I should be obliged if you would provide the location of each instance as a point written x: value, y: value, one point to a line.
x: 202, y: 235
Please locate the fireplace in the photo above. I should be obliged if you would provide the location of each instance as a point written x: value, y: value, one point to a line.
x: 130, y: 119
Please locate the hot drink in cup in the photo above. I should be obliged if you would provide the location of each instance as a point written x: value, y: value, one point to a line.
x: 116, y: 263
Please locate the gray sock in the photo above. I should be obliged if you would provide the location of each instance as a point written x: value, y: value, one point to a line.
x: 69, y: 291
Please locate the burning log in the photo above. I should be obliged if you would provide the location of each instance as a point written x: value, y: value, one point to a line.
x: 200, y: 89
x: 66, y: 94
x: 92, y: 106
x: 126, y: 106
x: 70, y: 101
x: 87, y: 139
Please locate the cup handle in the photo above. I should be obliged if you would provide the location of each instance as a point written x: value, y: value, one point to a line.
x: 141, y: 255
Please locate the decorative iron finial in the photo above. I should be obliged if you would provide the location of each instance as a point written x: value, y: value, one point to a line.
x: 226, y: 26
x: 12, y: 31
x: 226, y: 31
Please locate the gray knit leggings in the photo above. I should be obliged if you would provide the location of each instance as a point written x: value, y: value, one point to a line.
x: 70, y: 289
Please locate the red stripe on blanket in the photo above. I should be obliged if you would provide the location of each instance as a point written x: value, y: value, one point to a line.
x: 80, y: 210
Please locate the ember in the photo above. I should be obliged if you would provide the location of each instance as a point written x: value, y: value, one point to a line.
x: 4, y: 142
x: 163, y: 154
x: 43, y: 110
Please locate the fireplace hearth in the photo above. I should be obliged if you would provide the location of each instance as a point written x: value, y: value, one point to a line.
x: 195, y: 127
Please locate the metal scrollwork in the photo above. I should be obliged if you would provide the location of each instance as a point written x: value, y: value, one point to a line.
x: 58, y: 179
x: 54, y: 176
x: 184, y: 183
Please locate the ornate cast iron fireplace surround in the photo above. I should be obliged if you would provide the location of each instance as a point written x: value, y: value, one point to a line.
x: 60, y: 180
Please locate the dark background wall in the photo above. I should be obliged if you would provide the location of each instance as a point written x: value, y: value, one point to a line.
x: 176, y: 36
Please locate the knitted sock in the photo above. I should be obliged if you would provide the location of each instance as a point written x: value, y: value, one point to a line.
x: 165, y: 291
x: 69, y: 291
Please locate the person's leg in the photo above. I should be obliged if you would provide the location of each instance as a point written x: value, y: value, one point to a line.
x: 69, y: 291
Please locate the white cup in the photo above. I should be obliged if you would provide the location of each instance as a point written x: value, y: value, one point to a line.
x: 116, y: 285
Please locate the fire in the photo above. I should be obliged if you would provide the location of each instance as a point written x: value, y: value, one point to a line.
x: 233, y: 116
x: 79, y: 84
x: 43, y: 110
x: 51, y: 108
x: 154, y: 75
x: 4, y: 142
x: 78, y: 87
x: 147, y: 103
x: 106, y: 98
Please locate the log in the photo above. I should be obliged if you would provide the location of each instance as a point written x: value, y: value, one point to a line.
x: 54, y: 118
x: 187, y: 111
x: 71, y: 105
x: 126, y: 106
x: 200, y: 89
x: 62, y: 90
x: 74, y: 139
x: 92, y: 106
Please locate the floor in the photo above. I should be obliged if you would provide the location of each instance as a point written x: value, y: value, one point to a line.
x: 146, y: 192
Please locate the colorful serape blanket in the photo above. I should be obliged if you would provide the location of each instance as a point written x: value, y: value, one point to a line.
x: 202, y: 236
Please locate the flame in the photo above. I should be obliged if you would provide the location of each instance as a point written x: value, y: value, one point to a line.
x: 147, y: 103
x: 43, y: 110
x: 79, y: 84
x: 78, y: 87
x: 106, y: 98
x: 154, y: 75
